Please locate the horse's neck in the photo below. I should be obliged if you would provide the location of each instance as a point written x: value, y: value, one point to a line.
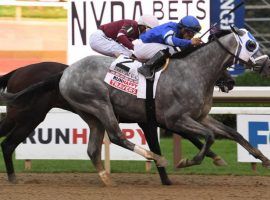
x: 207, y: 63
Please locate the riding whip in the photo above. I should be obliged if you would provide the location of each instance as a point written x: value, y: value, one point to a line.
x: 232, y: 10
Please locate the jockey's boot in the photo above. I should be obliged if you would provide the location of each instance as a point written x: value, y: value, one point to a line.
x: 148, y: 69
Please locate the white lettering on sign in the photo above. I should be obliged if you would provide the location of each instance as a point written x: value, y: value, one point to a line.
x: 226, y: 19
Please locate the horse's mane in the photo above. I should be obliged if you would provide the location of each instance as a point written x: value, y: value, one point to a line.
x: 187, y: 51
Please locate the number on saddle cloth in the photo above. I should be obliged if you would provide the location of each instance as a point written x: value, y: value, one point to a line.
x: 124, y: 67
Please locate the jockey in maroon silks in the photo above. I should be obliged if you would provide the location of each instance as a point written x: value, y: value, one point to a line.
x: 116, y: 38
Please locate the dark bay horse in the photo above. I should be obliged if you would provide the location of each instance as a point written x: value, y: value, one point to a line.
x: 16, y: 81
x: 20, y: 121
x: 18, y: 124
x: 188, y: 81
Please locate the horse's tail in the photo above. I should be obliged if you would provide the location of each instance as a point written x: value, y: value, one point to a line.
x: 25, y: 96
x: 4, y: 80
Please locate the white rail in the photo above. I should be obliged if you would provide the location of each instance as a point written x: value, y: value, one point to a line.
x: 241, y: 110
x: 244, y: 92
x: 214, y: 110
x: 237, y: 92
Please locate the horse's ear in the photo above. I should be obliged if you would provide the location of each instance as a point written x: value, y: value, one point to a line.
x: 236, y: 30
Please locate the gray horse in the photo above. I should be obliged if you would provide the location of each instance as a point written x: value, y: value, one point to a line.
x: 183, y: 99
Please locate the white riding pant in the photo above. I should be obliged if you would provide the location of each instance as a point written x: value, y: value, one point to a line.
x: 100, y: 43
x: 145, y: 51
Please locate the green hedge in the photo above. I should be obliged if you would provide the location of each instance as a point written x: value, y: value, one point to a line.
x: 35, y: 12
x: 7, y: 11
x: 251, y: 79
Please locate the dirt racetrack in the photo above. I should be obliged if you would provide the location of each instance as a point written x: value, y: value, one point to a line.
x: 81, y: 186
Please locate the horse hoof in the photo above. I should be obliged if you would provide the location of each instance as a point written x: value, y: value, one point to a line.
x: 12, y: 178
x: 167, y: 182
x: 266, y: 164
x: 110, y: 183
x: 218, y: 161
x: 162, y: 162
x: 182, y: 163
x: 106, y: 179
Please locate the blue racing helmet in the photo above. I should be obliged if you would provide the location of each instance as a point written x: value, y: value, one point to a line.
x: 190, y: 23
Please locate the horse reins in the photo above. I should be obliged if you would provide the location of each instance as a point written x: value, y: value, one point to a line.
x: 236, y: 58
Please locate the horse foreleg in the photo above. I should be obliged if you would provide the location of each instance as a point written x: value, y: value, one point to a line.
x: 152, y: 140
x: 95, y: 144
x: 190, y: 126
x: 109, y: 121
x: 220, y: 129
x: 217, y: 160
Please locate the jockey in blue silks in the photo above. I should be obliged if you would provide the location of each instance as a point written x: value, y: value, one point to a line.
x: 164, y: 40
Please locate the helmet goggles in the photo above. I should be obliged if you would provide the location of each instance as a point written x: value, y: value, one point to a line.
x: 194, y: 29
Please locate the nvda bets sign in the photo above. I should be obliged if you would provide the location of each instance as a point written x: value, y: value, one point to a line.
x: 85, y: 16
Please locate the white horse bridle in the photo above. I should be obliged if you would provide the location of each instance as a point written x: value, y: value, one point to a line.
x: 247, y: 47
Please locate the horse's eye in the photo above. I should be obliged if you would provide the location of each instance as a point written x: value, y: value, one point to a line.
x: 251, y: 45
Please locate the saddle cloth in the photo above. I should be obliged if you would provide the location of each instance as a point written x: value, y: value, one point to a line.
x: 123, y: 75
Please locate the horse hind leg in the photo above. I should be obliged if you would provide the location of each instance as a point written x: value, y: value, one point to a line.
x: 6, y: 125
x: 94, y: 147
x: 103, y: 110
x: 116, y: 136
x: 18, y: 134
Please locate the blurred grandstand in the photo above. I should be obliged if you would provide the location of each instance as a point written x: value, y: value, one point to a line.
x: 32, y: 34
x: 40, y: 40
x: 257, y: 20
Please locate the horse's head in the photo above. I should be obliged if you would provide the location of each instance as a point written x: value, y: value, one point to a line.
x: 248, y: 52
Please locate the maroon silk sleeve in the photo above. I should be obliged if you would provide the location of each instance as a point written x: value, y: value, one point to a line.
x: 125, y: 35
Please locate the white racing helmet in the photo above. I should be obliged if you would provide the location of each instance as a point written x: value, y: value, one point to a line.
x: 148, y: 20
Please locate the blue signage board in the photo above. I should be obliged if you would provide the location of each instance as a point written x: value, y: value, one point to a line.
x: 255, y: 129
x: 219, y: 14
x: 236, y: 70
